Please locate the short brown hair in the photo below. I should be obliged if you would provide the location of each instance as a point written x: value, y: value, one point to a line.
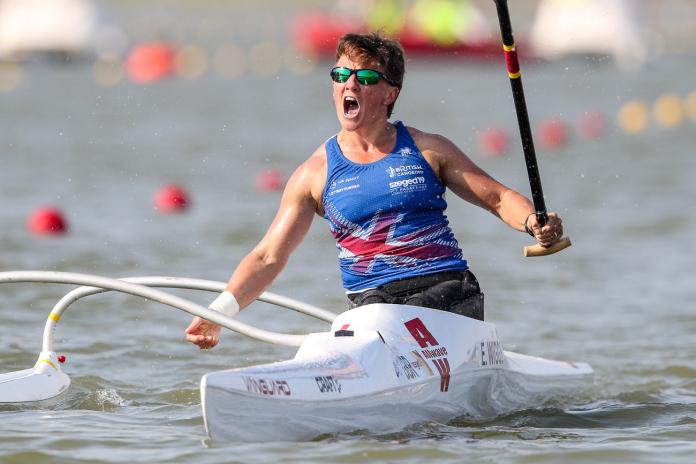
x: 372, y: 47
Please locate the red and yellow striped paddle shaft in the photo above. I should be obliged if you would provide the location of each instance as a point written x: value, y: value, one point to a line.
x: 513, y: 63
x: 513, y: 67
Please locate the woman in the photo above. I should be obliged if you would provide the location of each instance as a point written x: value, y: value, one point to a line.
x: 381, y: 187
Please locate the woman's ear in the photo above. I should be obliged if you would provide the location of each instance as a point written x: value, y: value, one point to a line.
x: 392, y: 96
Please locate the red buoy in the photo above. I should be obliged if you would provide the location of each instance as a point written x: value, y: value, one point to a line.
x: 61, y: 358
x: 270, y: 180
x: 47, y: 221
x: 553, y: 133
x: 150, y: 62
x: 171, y: 199
x: 592, y: 125
x: 494, y: 142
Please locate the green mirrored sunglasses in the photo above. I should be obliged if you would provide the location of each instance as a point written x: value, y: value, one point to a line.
x: 363, y: 76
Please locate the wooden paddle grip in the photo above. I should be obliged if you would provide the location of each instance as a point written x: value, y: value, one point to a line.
x: 538, y: 250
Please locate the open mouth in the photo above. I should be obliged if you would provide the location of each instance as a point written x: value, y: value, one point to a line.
x: 351, y: 107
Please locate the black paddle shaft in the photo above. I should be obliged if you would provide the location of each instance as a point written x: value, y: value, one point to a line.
x: 521, y: 107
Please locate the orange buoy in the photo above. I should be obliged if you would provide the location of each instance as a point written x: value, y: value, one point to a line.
x: 171, y: 199
x: 668, y: 111
x: 690, y: 106
x: 47, y: 221
x: 633, y: 117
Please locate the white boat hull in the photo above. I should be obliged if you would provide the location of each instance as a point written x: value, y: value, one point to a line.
x: 381, y: 368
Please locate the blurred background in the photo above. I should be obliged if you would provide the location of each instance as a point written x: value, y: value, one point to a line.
x: 234, y: 36
x: 155, y: 137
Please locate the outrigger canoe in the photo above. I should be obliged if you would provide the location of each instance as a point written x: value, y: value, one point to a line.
x: 379, y: 368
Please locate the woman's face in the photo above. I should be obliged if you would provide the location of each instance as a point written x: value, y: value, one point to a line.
x: 359, y: 105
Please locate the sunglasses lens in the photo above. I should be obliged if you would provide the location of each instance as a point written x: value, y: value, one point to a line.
x: 367, y: 76
x: 340, y: 75
x: 363, y: 76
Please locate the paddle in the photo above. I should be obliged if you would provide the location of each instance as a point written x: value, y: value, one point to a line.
x: 513, y: 67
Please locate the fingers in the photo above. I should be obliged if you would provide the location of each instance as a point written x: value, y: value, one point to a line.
x: 202, y: 333
x: 550, y: 233
x: 203, y: 342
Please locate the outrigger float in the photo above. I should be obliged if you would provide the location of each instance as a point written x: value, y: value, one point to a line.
x: 379, y: 367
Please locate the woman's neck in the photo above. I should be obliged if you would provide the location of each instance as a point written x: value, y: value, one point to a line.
x: 369, y: 144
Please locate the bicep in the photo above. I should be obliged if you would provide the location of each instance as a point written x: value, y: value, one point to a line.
x: 289, y: 227
x: 291, y: 222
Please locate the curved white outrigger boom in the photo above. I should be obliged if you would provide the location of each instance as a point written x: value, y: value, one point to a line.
x: 46, y: 380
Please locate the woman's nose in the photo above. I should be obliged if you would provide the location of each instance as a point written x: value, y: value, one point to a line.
x: 352, y: 81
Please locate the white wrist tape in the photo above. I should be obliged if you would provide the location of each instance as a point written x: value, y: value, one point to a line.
x: 225, y: 303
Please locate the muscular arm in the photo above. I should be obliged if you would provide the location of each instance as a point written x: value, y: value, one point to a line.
x: 261, y: 266
x: 298, y: 205
x: 301, y: 200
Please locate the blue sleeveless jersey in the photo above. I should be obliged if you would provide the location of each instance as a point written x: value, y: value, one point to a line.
x: 388, y: 216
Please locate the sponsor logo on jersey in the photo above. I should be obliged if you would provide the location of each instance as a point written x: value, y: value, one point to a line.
x: 405, y: 151
x: 414, y: 183
x: 342, y: 185
x: 405, y: 170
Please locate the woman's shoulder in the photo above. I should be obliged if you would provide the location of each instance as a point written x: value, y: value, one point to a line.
x: 312, y: 172
x: 318, y: 157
